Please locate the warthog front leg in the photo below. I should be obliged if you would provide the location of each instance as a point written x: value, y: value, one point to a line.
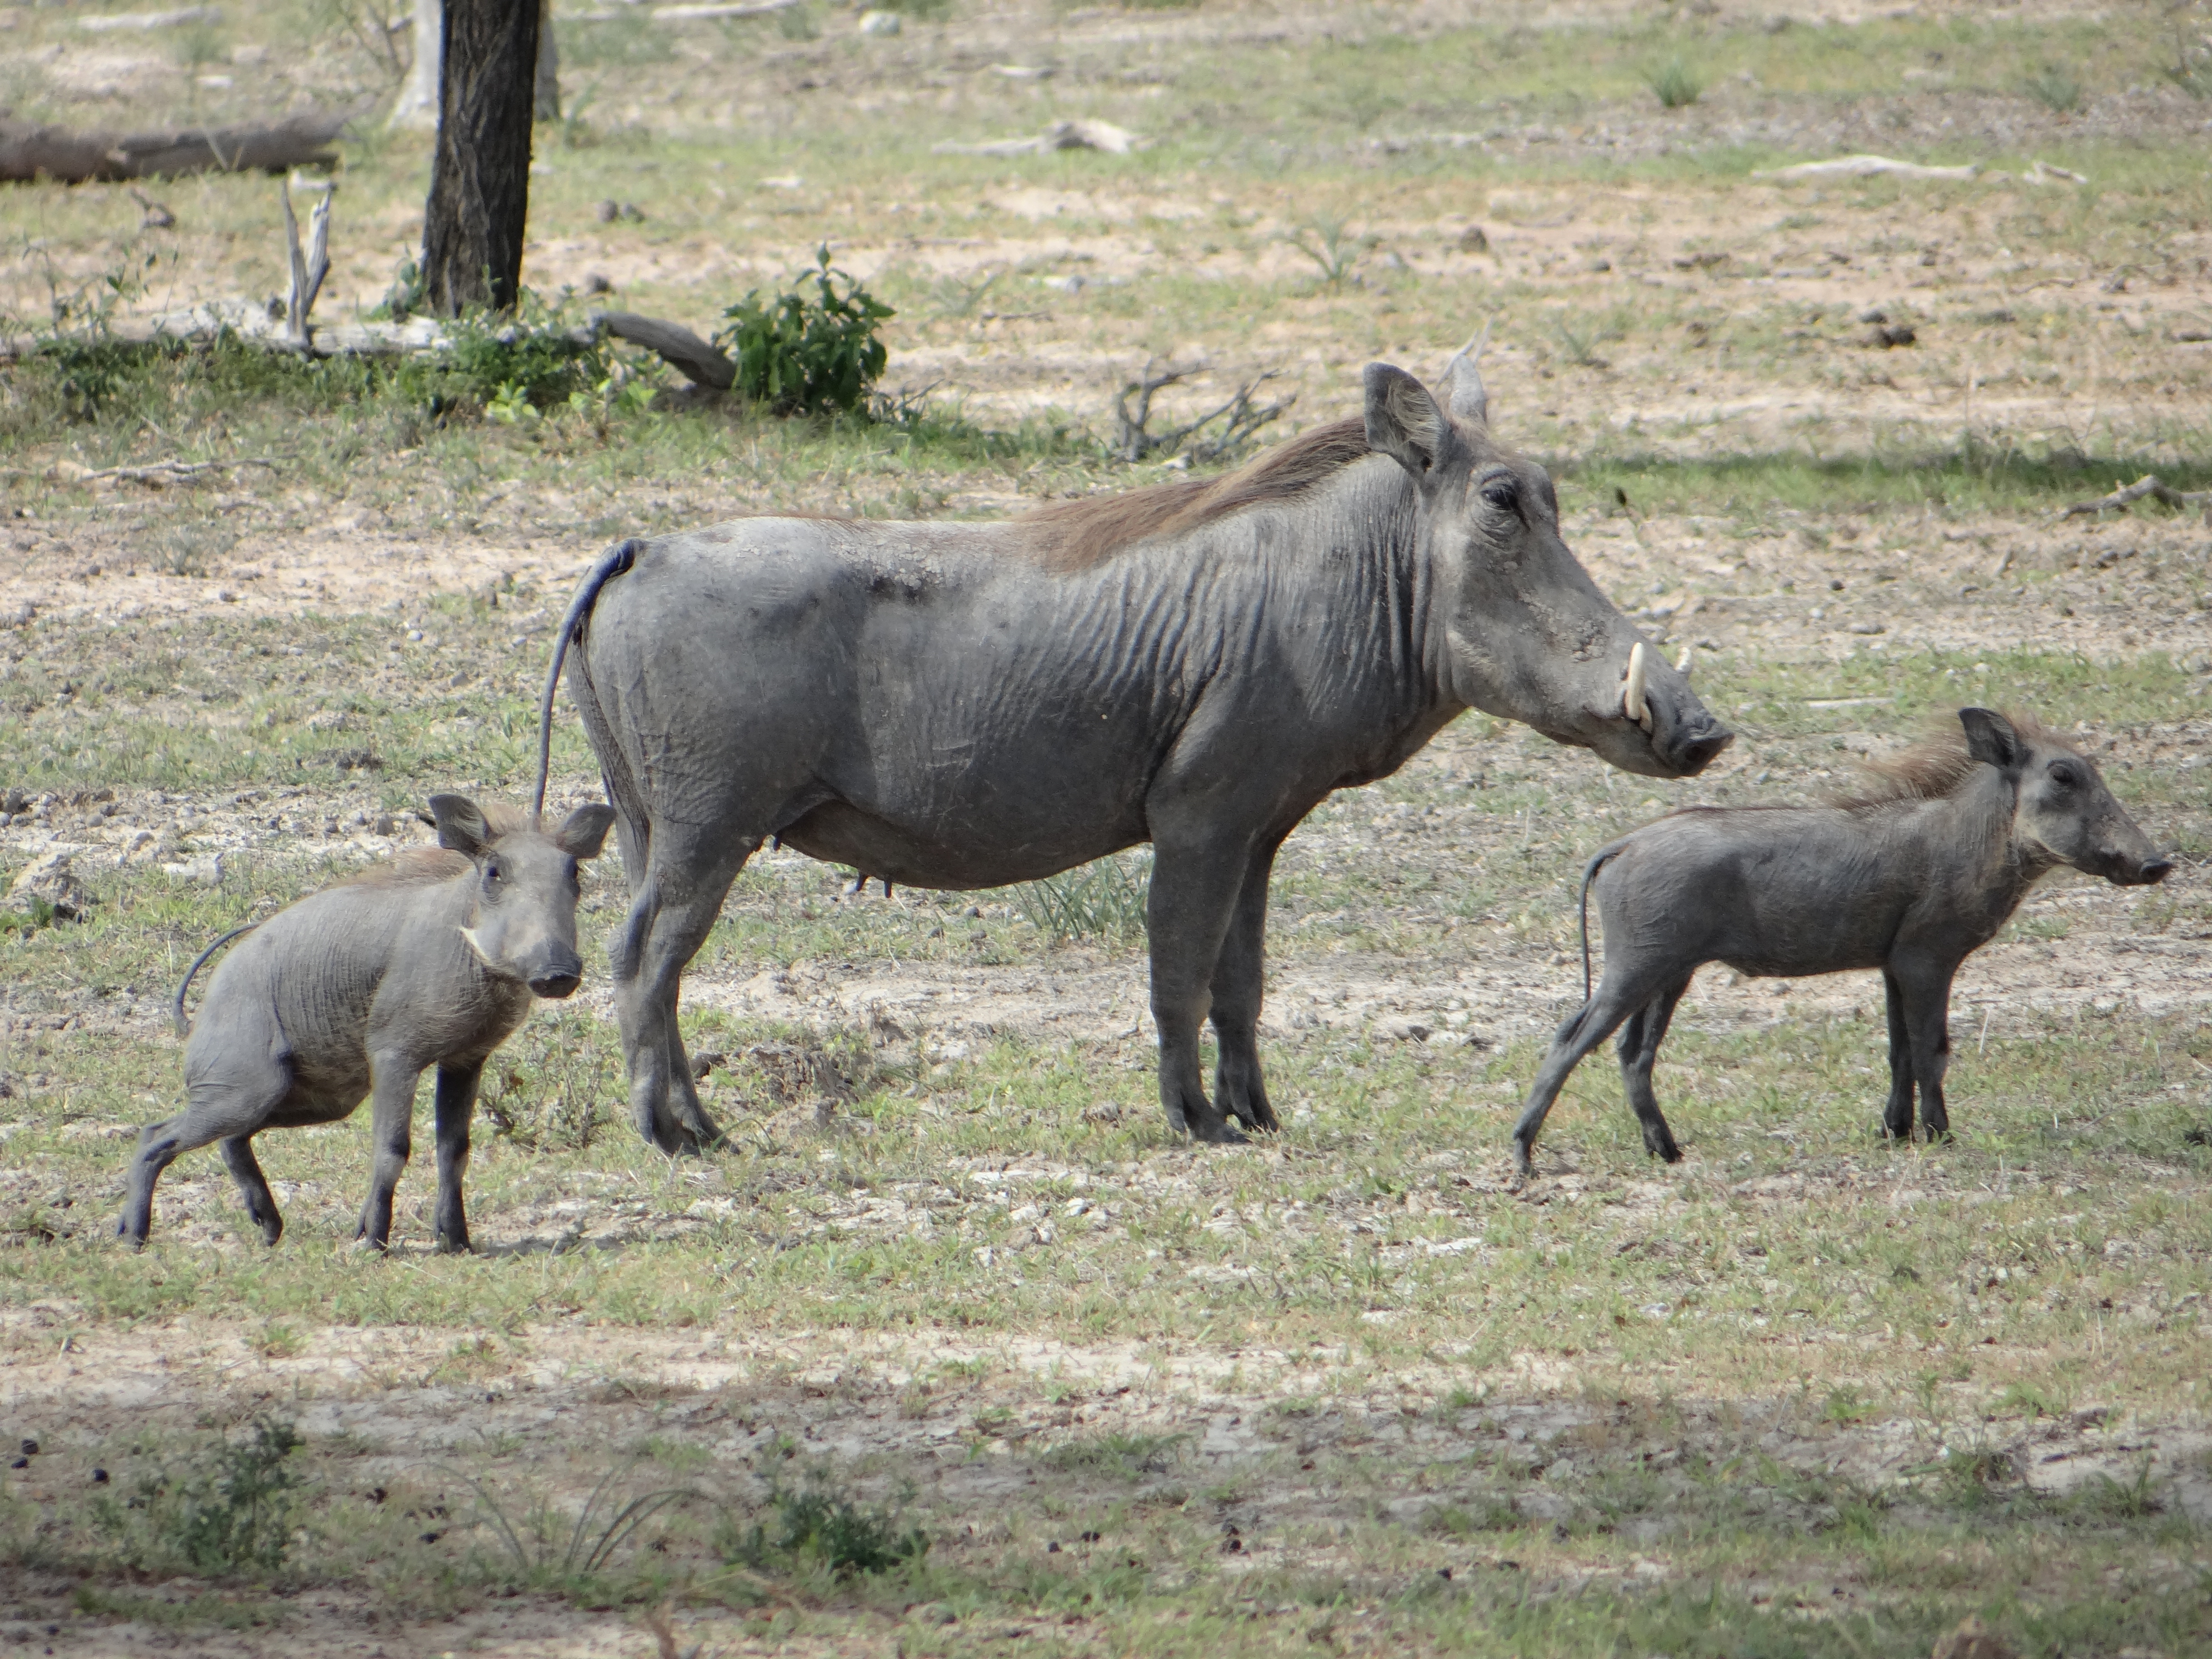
x: 1193, y: 893
x: 1239, y: 987
x: 1897, y: 1111
x: 391, y: 1123
x: 254, y: 1187
x: 1638, y: 1046
x: 456, y: 1103
x: 1926, y: 994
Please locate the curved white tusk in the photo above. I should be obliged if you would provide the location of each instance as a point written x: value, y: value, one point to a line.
x: 1682, y: 664
x: 477, y: 945
x: 1631, y: 690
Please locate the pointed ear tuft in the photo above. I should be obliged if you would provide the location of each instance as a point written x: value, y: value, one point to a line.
x: 1403, y: 421
x: 1991, y: 740
x: 584, y: 831
x: 461, y: 826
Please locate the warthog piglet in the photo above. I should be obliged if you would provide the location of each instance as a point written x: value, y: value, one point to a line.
x: 432, y: 959
x: 1910, y: 877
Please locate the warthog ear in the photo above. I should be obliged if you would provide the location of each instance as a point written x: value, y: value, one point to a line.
x: 1403, y: 422
x: 583, y: 830
x: 1991, y: 740
x: 461, y: 826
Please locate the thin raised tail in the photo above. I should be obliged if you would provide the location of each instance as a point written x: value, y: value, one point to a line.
x: 611, y: 563
x: 1589, y: 874
x: 184, y: 1026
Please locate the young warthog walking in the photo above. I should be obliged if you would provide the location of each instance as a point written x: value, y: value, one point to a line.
x: 1910, y: 877
x: 430, y: 960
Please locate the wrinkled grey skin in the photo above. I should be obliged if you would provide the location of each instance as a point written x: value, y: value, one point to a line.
x: 1911, y: 887
x: 931, y: 704
x: 354, y: 991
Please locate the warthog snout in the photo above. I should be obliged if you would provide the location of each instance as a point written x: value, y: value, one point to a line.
x: 559, y: 978
x: 2147, y: 874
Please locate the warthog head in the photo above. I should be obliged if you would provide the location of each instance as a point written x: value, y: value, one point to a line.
x: 522, y: 920
x: 2062, y: 812
x: 1529, y: 636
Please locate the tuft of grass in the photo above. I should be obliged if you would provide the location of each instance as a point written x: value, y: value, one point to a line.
x: 2056, y: 90
x: 1102, y: 900
x: 1129, y: 1456
x: 1675, y: 84
x: 547, y: 1554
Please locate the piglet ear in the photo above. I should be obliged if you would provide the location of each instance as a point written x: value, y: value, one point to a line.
x: 583, y: 830
x: 461, y: 826
x: 1991, y: 740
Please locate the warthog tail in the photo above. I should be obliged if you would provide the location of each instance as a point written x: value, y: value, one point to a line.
x: 611, y: 563
x: 184, y: 1025
x: 1589, y: 874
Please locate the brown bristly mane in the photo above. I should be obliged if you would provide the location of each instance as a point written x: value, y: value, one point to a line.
x: 419, y: 867
x: 1935, y: 768
x: 1074, y: 535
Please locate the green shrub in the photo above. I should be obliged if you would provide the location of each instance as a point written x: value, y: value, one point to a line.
x: 1105, y: 899
x: 2056, y: 90
x: 816, y: 1527
x: 802, y: 354
x: 230, y: 1513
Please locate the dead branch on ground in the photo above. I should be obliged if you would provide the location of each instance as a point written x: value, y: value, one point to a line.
x: 2148, y: 486
x: 1240, y: 419
x: 28, y: 153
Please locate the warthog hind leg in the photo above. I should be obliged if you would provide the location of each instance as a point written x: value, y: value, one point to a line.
x: 1239, y: 986
x: 1638, y: 1045
x: 228, y: 1102
x: 1619, y: 994
x: 254, y: 1187
x: 673, y: 911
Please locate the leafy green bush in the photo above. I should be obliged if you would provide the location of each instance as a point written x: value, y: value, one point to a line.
x: 802, y: 353
x: 535, y: 357
x: 231, y: 1513
x: 817, y: 1526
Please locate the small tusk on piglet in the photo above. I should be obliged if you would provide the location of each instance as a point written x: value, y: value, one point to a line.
x: 1682, y: 663
x: 1631, y: 690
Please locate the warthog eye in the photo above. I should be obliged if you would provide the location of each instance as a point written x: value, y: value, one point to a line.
x: 2065, y: 774
x: 1501, y: 494
x: 492, y: 872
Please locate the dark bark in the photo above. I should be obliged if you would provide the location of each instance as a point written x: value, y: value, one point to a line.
x: 29, y: 152
x: 480, y: 178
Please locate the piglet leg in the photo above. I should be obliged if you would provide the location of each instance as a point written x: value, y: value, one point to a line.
x: 457, y: 1103
x: 1897, y: 1112
x: 1618, y: 996
x: 1928, y: 1023
x: 1639, y: 1050
x: 390, y: 1131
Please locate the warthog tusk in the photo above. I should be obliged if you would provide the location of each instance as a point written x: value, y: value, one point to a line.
x: 1682, y: 663
x: 1632, y: 689
x: 477, y: 945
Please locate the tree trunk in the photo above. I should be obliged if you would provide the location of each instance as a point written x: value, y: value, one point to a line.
x: 547, y: 95
x: 480, y: 180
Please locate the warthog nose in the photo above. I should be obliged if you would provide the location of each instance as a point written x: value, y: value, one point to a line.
x: 2154, y: 870
x: 1694, y: 753
x: 556, y: 985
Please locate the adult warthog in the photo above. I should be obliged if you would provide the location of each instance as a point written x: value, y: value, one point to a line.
x: 1196, y: 664
x: 1912, y: 876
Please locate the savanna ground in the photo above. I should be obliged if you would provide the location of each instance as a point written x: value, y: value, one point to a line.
x: 950, y: 1283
